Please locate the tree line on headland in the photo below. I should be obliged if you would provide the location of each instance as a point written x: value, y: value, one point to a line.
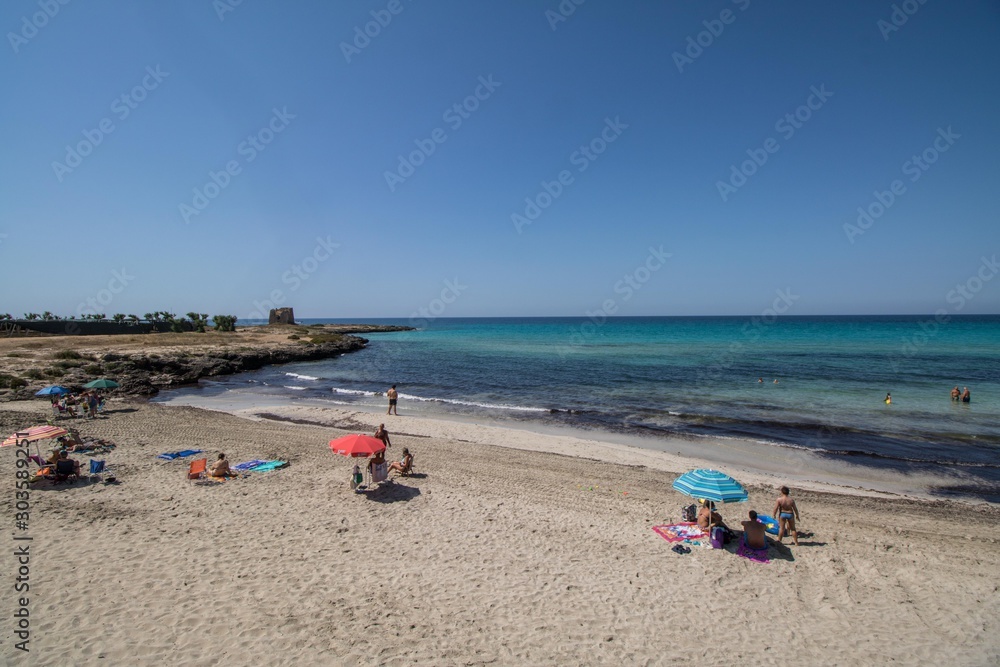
x: 196, y: 321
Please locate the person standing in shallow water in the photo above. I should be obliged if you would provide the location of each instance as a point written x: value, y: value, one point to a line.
x: 888, y: 398
x: 393, y: 397
x: 955, y: 393
x: 966, y: 396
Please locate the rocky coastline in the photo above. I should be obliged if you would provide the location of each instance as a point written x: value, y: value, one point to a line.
x: 142, y: 365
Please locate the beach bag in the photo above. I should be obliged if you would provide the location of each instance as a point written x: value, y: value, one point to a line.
x: 718, y: 537
x: 689, y: 513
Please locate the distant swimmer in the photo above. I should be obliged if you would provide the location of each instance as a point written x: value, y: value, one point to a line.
x: 760, y: 379
x: 955, y: 393
x: 888, y: 398
x: 966, y: 396
x: 775, y: 380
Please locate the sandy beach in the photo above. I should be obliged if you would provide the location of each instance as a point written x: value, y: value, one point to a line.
x: 506, y: 547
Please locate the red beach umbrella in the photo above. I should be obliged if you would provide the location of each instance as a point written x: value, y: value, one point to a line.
x: 357, y: 445
x: 36, y: 433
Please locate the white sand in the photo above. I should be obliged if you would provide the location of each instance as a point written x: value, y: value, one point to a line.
x: 503, y: 550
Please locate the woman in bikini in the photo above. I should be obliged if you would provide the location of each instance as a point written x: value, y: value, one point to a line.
x: 787, y: 513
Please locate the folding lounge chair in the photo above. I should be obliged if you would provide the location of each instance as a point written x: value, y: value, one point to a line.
x: 98, y: 469
x: 66, y: 469
x: 197, y: 469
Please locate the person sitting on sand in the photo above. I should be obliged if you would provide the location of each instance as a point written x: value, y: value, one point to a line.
x: 404, y: 465
x: 53, y: 456
x: 383, y: 435
x: 707, y: 515
x: 966, y: 396
x: 754, y: 536
x: 221, y: 467
x: 955, y: 393
x: 788, y: 513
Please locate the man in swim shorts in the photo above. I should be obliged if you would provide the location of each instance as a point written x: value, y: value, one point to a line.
x: 753, y: 533
x: 393, y: 397
x: 787, y: 513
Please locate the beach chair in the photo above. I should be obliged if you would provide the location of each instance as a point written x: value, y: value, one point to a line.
x: 59, y: 411
x: 64, y: 470
x: 98, y: 469
x: 405, y: 472
x: 197, y: 469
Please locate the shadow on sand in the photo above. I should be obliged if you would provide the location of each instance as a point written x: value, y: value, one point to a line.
x: 392, y: 493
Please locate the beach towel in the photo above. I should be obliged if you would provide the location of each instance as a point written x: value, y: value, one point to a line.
x: 270, y: 465
x: 246, y: 466
x: 170, y: 456
x: 680, y: 532
x: 748, y: 552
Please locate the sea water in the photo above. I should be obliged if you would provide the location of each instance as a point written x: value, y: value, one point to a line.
x: 814, y: 384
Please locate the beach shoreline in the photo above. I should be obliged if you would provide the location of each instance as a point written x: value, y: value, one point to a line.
x: 763, y: 463
x: 490, y: 554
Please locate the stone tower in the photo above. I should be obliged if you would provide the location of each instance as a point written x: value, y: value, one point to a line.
x: 281, y: 316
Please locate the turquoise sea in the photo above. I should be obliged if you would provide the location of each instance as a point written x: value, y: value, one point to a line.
x: 694, y: 378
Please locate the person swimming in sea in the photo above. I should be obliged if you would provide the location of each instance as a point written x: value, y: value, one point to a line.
x: 888, y: 398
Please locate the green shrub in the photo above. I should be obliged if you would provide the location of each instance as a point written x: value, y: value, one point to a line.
x: 224, y: 322
x: 294, y: 337
x: 67, y: 354
x: 35, y: 374
x: 318, y: 339
x: 11, y: 381
x: 92, y: 369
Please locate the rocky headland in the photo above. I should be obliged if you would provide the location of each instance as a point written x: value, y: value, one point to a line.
x: 143, y: 364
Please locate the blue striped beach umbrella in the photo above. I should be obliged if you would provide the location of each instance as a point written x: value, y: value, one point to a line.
x: 711, y: 485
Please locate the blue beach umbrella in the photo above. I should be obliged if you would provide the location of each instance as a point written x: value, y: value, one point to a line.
x: 711, y: 485
x: 53, y: 389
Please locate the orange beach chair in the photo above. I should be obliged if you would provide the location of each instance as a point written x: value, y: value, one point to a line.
x: 197, y: 469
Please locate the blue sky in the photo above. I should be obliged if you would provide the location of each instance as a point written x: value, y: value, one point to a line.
x: 309, y: 118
